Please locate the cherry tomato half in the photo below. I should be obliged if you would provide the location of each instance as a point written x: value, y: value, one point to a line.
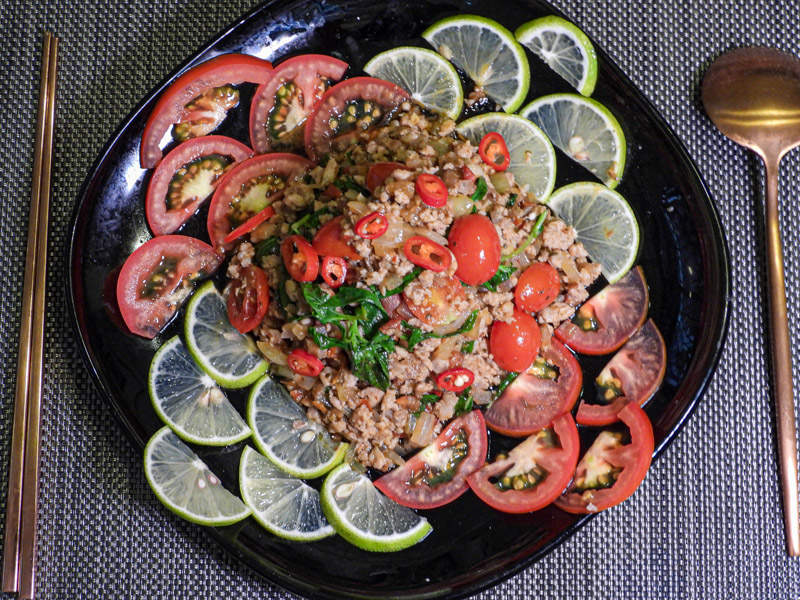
x: 300, y: 258
x: 494, y: 152
x: 248, y: 299
x: 439, y: 303
x: 426, y: 253
x: 455, y: 380
x: 514, y: 345
x: 431, y: 189
x: 538, y: 286
x: 330, y: 241
x: 378, y: 173
x: 374, y: 225
x: 476, y: 246
x: 303, y: 363
x: 334, y: 270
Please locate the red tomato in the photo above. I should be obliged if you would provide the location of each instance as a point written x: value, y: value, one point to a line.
x: 476, y: 246
x: 439, y: 302
x: 334, y: 271
x: 211, y: 157
x: 514, y: 345
x: 610, y: 471
x: 300, y: 258
x: 466, y: 173
x: 494, y: 152
x: 248, y: 299
x: 378, y: 173
x: 541, y: 467
x: 303, y: 363
x: 152, y: 283
x: 431, y: 189
x: 371, y: 99
x: 537, y: 287
x: 280, y: 107
x: 437, y: 474
x: 550, y: 388
x: 455, y: 380
x: 426, y: 253
x: 606, y: 320
x: 330, y: 241
x: 230, y: 69
x: 374, y: 225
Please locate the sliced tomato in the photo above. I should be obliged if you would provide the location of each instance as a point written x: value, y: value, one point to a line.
x: 231, y: 69
x: 431, y: 189
x: 378, y: 173
x: 187, y: 177
x: 438, y: 473
x: 349, y: 106
x: 514, y: 345
x: 534, y: 473
x: 548, y: 389
x: 538, y: 286
x: 158, y: 277
x: 475, y: 244
x: 300, y: 258
x: 280, y: 107
x: 494, y: 152
x: 303, y: 363
x: 334, y: 271
x: 425, y: 253
x: 436, y: 304
x: 633, y: 375
x: 248, y: 299
x: 248, y: 189
x: 611, y: 470
x: 330, y: 241
x: 606, y: 320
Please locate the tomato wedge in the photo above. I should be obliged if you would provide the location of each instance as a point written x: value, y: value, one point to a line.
x: 300, y: 258
x: 534, y: 473
x: 611, y: 470
x: 431, y: 189
x: 606, y: 320
x: 248, y: 299
x: 438, y: 473
x: 231, y: 69
x: 538, y: 286
x: 435, y: 304
x: 378, y: 173
x: 334, y: 271
x: 426, y: 253
x: 303, y: 363
x: 494, y: 152
x: 475, y: 244
x: 330, y: 241
x: 548, y: 389
x: 157, y: 278
x: 187, y: 177
x: 280, y: 107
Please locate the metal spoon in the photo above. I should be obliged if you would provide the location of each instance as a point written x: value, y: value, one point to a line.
x: 753, y: 96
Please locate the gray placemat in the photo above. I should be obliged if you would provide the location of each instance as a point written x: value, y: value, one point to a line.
x: 706, y: 523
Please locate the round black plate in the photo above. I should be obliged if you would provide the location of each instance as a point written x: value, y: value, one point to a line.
x: 472, y: 546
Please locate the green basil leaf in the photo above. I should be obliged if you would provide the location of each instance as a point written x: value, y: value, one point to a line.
x: 406, y: 280
x: 480, y: 189
x: 468, y: 347
x: 425, y: 401
x: 465, y: 401
x: 504, y: 273
x: 415, y: 335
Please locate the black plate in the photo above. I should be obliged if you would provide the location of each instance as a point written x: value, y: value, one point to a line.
x: 472, y: 547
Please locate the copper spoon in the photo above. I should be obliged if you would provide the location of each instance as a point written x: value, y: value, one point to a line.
x: 753, y: 96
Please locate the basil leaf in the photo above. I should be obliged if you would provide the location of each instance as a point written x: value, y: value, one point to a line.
x: 504, y: 273
x: 468, y: 347
x: 309, y: 220
x: 535, y: 232
x: 347, y: 183
x: 406, y: 280
x: 416, y: 335
x: 464, y: 404
x: 512, y: 200
x: 325, y: 341
x: 504, y: 383
x: 266, y: 247
x: 425, y: 401
x: 480, y: 189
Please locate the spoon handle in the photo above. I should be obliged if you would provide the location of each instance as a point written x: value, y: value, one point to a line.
x: 782, y: 364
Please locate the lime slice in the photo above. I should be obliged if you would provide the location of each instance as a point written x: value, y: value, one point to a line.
x: 487, y: 52
x: 282, y: 504
x: 585, y: 130
x: 429, y: 78
x: 604, y: 223
x: 365, y: 517
x: 189, y: 401
x: 285, y: 435
x: 230, y: 357
x: 533, y: 160
x: 565, y: 49
x: 185, y: 485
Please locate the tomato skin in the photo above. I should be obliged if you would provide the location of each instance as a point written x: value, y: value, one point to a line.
x: 494, y: 152
x: 303, y: 264
x: 378, y: 173
x: 449, y: 380
x: 334, y: 271
x: 426, y: 253
x: 438, y: 307
x: 466, y: 173
x: 373, y: 226
x: 396, y: 484
x: 329, y: 241
x: 514, y: 345
x: 475, y: 244
x: 303, y: 363
x: 538, y: 287
x: 250, y: 225
x: 431, y: 189
x: 248, y: 299
x: 225, y: 69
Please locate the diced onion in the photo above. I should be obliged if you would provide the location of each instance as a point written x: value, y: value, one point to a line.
x: 446, y: 349
x: 569, y: 268
x: 394, y: 457
x: 423, y: 430
x: 451, y: 327
x: 431, y: 235
x: 462, y: 205
x: 347, y: 395
x: 508, y: 284
x: 329, y: 174
x: 482, y: 396
x: 272, y: 354
x: 304, y: 382
x: 357, y: 207
x: 500, y: 182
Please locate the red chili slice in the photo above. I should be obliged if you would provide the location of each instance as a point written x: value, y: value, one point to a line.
x: 248, y: 299
x: 374, y: 225
x: 426, y: 253
x: 303, y: 363
x: 455, y: 380
x: 431, y: 189
x: 300, y: 258
x: 494, y: 152
x: 334, y: 270
x: 249, y: 225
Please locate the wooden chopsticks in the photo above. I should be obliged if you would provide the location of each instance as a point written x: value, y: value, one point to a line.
x: 19, y: 552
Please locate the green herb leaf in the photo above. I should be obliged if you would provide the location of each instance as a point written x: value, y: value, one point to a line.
x: 346, y: 183
x: 503, y: 273
x: 504, y: 383
x: 512, y: 200
x: 425, y: 401
x: 415, y: 335
x: 406, y: 280
x: 464, y: 404
x: 480, y: 189
x: 535, y: 232
x: 468, y: 347
x: 283, y: 297
x: 324, y: 307
x: 308, y: 220
x: 267, y: 247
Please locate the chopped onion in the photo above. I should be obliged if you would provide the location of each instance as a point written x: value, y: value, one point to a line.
x: 304, y: 382
x: 522, y: 260
x: 508, y: 284
x: 481, y: 396
x: 329, y: 174
x: 347, y: 395
x: 283, y: 371
x: 357, y: 207
x: 431, y: 235
x: 451, y: 327
x: 462, y: 205
x: 423, y: 430
x: 394, y: 457
x: 446, y: 349
x: 500, y: 182
x: 569, y: 268
x: 395, y: 236
x: 272, y: 354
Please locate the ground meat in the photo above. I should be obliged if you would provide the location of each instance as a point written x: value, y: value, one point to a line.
x: 557, y: 235
x: 556, y: 313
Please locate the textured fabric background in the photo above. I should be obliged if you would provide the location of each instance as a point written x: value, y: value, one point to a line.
x: 706, y: 523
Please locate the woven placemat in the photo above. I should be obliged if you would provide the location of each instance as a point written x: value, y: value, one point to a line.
x: 707, y: 522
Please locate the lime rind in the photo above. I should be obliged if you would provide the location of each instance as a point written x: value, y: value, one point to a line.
x: 564, y: 48
x: 533, y: 159
x: 604, y: 223
x: 231, y: 358
x: 487, y: 52
x: 185, y: 485
x: 366, y: 518
x: 283, y: 505
x: 284, y: 434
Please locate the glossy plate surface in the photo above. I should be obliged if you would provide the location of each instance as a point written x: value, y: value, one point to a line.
x: 472, y: 547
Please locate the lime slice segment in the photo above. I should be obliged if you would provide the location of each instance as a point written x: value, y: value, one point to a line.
x: 365, y: 517
x: 604, y: 223
x: 187, y: 399
x: 185, y: 485
x: 487, y: 52
x: 583, y: 129
x: 285, y: 435
x: 533, y: 160
x: 565, y: 49
x: 430, y: 79
x: 230, y: 357
x: 282, y: 504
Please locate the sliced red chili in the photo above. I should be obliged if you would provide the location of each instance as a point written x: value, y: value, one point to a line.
x: 455, y: 380
x: 300, y: 258
x: 466, y: 173
x: 334, y: 270
x: 426, y: 253
x: 494, y: 152
x: 374, y: 225
x: 250, y: 224
x: 303, y: 363
x: 431, y: 189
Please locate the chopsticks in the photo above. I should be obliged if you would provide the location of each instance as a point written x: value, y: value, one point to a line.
x: 19, y: 552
